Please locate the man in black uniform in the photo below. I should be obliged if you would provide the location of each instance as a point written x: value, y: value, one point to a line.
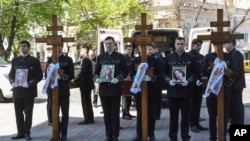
x: 23, y: 95
x: 179, y: 93
x: 212, y: 98
x: 236, y: 104
x: 154, y: 66
x: 195, y: 104
x: 126, y: 100
x: 85, y: 79
x: 66, y: 72
x: 158, y: 91
x: 110, y: 89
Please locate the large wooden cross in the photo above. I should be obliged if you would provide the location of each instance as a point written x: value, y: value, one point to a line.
x: 219, y: 38
x: 143, y: 40
x: 55, y: 40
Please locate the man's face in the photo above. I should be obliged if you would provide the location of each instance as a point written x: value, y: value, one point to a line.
x: 179, y: 46
x: 24, y: 48
x: 150, y: 50
x: 91, y: 54
x: 197, y: 47
x: 156, y: 50
x: 229, y: 46
x: 129, y: 50
x: 109, y: 44
x: 59, y: 50
x: 83, y: 51
x: 116, y: 48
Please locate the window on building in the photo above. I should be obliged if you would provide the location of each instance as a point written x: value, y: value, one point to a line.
x: 188, y: 27
x: 246, y: 37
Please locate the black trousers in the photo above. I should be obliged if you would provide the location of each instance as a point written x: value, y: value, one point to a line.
x: 24, y: 112
x: 237, y: 107
x: 195, y: 106
x: 111, y: 111
x: 87, y: 105
x: 158, y: 97
x: 64, y: 106
x: 49, y: 107
x: 151, y: 116
x: 126, y: 103
x: 212, y: 111
x: 176, y: 105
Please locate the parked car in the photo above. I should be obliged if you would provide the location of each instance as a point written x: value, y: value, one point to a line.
x: 5, y: 86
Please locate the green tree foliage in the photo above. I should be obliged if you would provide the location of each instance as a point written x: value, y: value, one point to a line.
x: 89, y: 15
x: 19, y: 19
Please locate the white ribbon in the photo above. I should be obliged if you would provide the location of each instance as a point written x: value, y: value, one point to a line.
x: 216, y: 77
x: 52, y: 77
x: 141, y: 70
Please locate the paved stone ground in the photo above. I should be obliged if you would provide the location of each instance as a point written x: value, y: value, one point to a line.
x: 96, y: 132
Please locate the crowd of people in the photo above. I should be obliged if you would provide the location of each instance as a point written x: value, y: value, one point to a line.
x: 179, y: 72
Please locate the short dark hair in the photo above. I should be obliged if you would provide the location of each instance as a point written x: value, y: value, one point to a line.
x: 233, y: 41
x: 85, y: 46
x: 110, y: 38
x: 128, y: 46
x: 154, y: 45
x: 196, y: 41
x: 25, y: 42
x: 179, y: 38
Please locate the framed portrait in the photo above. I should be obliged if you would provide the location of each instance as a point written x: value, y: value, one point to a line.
x: 21, y: 77
x: 179, y: 73
x: 107, y: 73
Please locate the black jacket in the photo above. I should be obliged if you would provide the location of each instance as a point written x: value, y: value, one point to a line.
x: 85, y: 77
x: 34, y: 75
x: 199, y: 60
x: 66, y: 64
x: 152, y: 65
x: 207, y: 67
x: 128, y: 60
x: 160, y: 62
x: 120, y: 72
x: 192, y: 69
x: 239, y: 75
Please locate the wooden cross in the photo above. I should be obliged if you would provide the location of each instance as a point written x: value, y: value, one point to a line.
x: 55, y: 40
x: 143, y: 39
x: 219, y: 38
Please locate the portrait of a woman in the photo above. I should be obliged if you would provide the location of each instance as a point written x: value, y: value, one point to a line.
x: 179, y: 75
x: 107, y: 73
x: 21, y: 77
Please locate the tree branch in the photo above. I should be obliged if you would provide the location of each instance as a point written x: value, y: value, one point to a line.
x: 242, y: 20
x: 198, y: 13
